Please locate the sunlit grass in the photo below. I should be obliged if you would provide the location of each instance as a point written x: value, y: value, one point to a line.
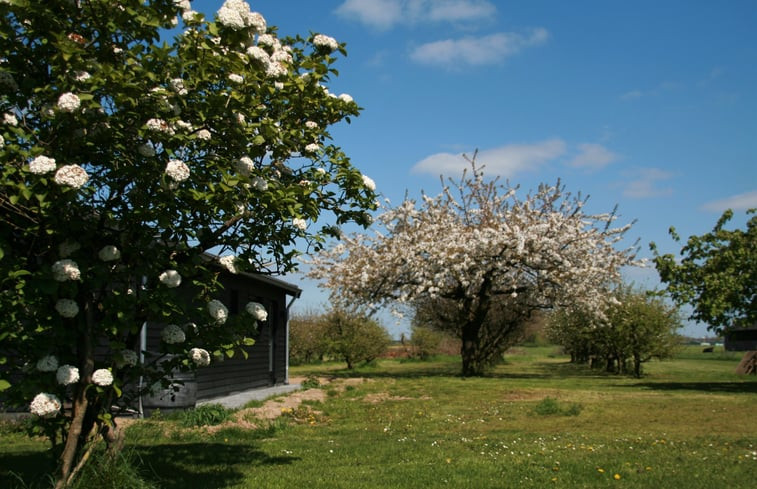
x: 408, y: 424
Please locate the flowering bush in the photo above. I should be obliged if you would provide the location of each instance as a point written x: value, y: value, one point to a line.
x: 120, y: 159
x: 479, y: 264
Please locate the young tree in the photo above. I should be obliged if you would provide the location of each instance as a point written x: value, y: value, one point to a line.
x: 717, y: 274
x: 354, y: 337
x: 489, y: 258
x: 307, y: 338
x: 124, y: 159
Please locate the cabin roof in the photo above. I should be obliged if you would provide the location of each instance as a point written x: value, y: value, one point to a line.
x: 288, y: 288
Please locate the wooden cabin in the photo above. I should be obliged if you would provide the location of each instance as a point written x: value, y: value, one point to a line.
x: 267, y: 363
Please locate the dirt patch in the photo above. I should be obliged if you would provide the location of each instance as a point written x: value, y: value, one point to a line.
x: 385, y: 396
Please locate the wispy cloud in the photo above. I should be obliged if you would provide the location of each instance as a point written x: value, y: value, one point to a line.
x: 477, y: 51
x: 592, y: 157
x: 504, y: 161
x: 739, y: 202
x: 385, y: 14
x: 644, y: 183
x: 658, y: 90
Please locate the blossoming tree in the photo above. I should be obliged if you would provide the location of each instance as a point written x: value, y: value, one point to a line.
x: 124, y: 160
x: 479, y: 260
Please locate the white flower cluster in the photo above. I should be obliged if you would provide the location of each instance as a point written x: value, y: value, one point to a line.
x: 299, y: 223
x: 67, y: 308
x: 218, y: 311
x: 69, y: 102
x: 67, y: 375
x: 312, y: 148
x: 234, y: 78
x: 173, y: 334
x: 45, y: 405
x: 311, y: 125
x: 109, y: 253
x: 229, y: 262
x: 126, y: 358
x: 102, y: 377
x: 245, y: 165
x: 200, y: 357
x: 66, y: 269
x: 71, y: 175
x: 204, y: 135
x: 257, y: 311
x: 236, y: 15
x: 177, y: 170
x: 41, y: 165
x: 259, y: 184
x: 159, y: 125
x: 170, y: 278
x: 146, y: 149
x: 10, y: 119
x: 326, y: 42
x: 369, y: 183
x: 47, y: 363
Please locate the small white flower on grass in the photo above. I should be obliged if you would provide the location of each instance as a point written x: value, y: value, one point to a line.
x: 67, y: 308
x: 328, y: 43
x: 173, y: 334
x: 218, y: 311
x: 109, y: 253
x: 67, y: 375
x: 66, y: 269
x: 45, y: 405
x: 69, y: 102
x: 71, y: 175
x: 200, y: 357
x: 47, y: 363
x: 257, y: 311
x: 369, y: 183
x: 170, y: 278
x: 177, y: 170
x: 102, y: 377
x: 41, y: 165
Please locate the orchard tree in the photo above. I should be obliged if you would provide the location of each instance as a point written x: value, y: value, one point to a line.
x: 717, y: 274
x: 124, y: 160
x: 488, y: 258
x: 353, y: 337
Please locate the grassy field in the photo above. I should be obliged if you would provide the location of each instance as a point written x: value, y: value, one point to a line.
x: 537, y: 421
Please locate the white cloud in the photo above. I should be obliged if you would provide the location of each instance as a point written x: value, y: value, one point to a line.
x: 477, y: 51
x: 644, y: 183
x: 385, y: 14
x: 593, y: 157
x: 504, y: 161
x: 740, y: 202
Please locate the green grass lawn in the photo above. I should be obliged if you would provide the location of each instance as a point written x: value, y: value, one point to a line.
x: 537, y: 421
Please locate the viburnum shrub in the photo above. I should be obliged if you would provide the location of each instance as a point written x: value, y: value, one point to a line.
x: 126, y: 156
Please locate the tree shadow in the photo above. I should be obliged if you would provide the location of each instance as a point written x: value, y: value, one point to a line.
x: 201, y: 465
x: 718, y: 387
x: 26, y: 469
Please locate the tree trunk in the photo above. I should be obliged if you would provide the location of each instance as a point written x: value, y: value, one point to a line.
x: 470, y: 351
x: 71, y: 449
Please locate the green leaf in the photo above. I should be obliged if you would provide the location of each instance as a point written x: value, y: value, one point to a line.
x: 4, y: 384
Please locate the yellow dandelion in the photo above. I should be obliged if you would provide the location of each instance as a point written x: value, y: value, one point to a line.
x: 600, y: 470
x: 648, y: 468
x: 616, y: 477
x: 448, y: 460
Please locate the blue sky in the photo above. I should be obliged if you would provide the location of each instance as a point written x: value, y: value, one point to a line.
x: 650, y: 105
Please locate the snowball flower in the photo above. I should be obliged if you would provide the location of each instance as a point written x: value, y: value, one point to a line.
x: 173, y: 334
x: 67, y: 308
x: 109, y: 253
x: 311, y: 125
x: 45, y: 405
x: 47, y: 363
x: 170, y: 278
x: 127, y: 358
x: 229, y: 262
x: 71, y: 175
x: 235, y: 14
x: 69, y: 102
x: 300, y: 224
x: 369, y: 183
x: 312, y: 148
x: 257, y: 311
x: 204, y: 135
x: 325, y: 42
x: 102, y: 377
x: 259, y: 184
x: 82, y: 76
x: 200, y: 357
x: 233, y: 77
x: 10, y: 119
x: 218, y: 311
x: 177, y: 170
x: 67, y: 375
x: 64, y: 270
x: 2, y: 142
x: 245, y: 165
x: 42, y: 164
x: 159, y: 125
x: 346, y: 98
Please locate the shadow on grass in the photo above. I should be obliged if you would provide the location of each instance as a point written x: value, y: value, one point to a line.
x: 30, y: 467
x: 726, y: 387
x: 201, y: 465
